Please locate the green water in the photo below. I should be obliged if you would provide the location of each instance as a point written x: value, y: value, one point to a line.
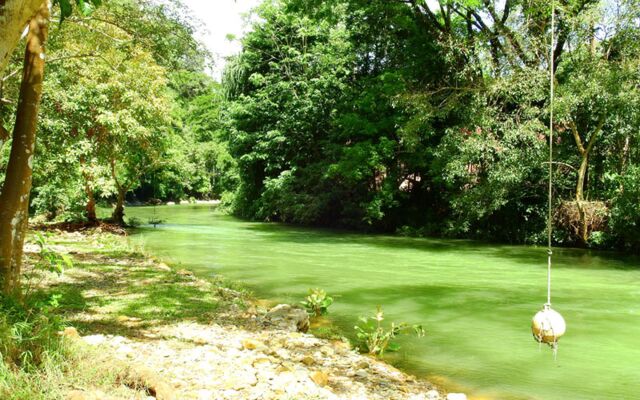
x: 475, y: 300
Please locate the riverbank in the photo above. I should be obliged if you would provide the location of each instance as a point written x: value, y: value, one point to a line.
x: 202, y: 339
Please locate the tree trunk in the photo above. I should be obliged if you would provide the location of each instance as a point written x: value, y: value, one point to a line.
x: 582, y: 173
x: 585, y: 152
x: 118, y: 211
x: 14, y: 17
x: 90, y: 209
x: 14, y: 198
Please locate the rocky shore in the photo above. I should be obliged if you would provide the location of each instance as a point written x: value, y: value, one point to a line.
x: 233, y: 350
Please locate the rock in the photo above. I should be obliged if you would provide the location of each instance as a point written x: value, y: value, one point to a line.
x: 146, y: 379
x: 286, y: 317
x: 432, y: 395
x: 171, y: 203
x: 362, y: 374
x: 164, y: 267
x: 285, y: 367
x: 320, y: 378
x: 251, y: 344
x: 70, y: 333
x: 308, y: 360
x: 327, y: 351
x: 185, y: 273
x: 260, y: 361
x: 456, y: 396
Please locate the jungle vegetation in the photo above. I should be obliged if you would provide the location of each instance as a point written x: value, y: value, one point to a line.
x: 407, y: 116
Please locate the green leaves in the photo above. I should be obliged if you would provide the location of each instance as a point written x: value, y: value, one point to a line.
x: 49, y: 259
x: 376, y: 339
x: 86, y: 7
x: 318, y: 302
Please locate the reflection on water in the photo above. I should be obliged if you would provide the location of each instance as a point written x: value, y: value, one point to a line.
x: 475, y: 300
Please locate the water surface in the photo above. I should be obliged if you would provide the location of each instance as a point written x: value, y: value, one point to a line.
x: 475, y: 300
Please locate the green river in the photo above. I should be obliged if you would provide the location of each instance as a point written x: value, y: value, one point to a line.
x: 475, y: 300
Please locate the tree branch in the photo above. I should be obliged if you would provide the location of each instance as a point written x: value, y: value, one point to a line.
x: 594, y: 135
x: 576, y: 137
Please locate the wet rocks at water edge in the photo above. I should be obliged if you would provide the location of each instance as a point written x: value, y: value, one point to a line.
x: 198, y: 362
x: 288, y: 318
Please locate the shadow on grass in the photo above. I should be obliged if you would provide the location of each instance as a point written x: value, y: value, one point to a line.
x: 129, y: 296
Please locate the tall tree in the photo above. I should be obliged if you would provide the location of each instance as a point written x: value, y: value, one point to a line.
x: 14, y: 197
x: 14, y: 18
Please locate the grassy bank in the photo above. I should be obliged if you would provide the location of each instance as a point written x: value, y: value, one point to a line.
x: 110, y: 288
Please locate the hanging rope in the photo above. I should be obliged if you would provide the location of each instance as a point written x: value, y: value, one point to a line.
x: 548, y: 325
x: 552, y: 95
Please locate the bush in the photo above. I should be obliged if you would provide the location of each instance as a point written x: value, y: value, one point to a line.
x: 318, y: 302
x: 376, y: 339
x: 625, y: 210
x: 29, y: 331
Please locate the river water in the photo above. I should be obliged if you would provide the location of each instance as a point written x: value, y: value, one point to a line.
x: 475, y: 300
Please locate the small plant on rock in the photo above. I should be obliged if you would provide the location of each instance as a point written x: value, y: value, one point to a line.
x: 318, y: 302
x: 376, y: 339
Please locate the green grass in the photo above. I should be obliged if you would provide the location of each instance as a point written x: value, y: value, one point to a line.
x: 112, y: 289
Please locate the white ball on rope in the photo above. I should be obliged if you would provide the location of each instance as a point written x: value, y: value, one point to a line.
x: 548, y: 326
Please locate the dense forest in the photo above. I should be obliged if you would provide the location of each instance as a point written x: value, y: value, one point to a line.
x: 421, y: 118
x: 401, y: 116
x: 504, y: 121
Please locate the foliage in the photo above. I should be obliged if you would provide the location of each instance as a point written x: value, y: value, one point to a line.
x: 625, y: 209
x: 318, y: 302
x: 86, y: 7
x: 376, y: 339
x: 48, y: 259
x: 433, y: 118
x: 29, y: 330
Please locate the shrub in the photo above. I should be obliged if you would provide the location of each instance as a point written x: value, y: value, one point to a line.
x: 318, y: 302
x: 29, y: 331
x: 376, y: 339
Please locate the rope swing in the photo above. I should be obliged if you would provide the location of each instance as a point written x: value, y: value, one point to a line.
x: 548, y: 325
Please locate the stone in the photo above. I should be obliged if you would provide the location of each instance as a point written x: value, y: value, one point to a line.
x: 308, y: 360
x: 456, y: 396
x: 142, y: 377
x: 260, y: 361
x: 432, y: 395
x: 320, y: 378
x: 285, y: 366
x: 286, y: 317
x: 252, y: 344
x: 327, y: 351
x: 362, y: 374
x: 185, y: 272
x: 163, y: 267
